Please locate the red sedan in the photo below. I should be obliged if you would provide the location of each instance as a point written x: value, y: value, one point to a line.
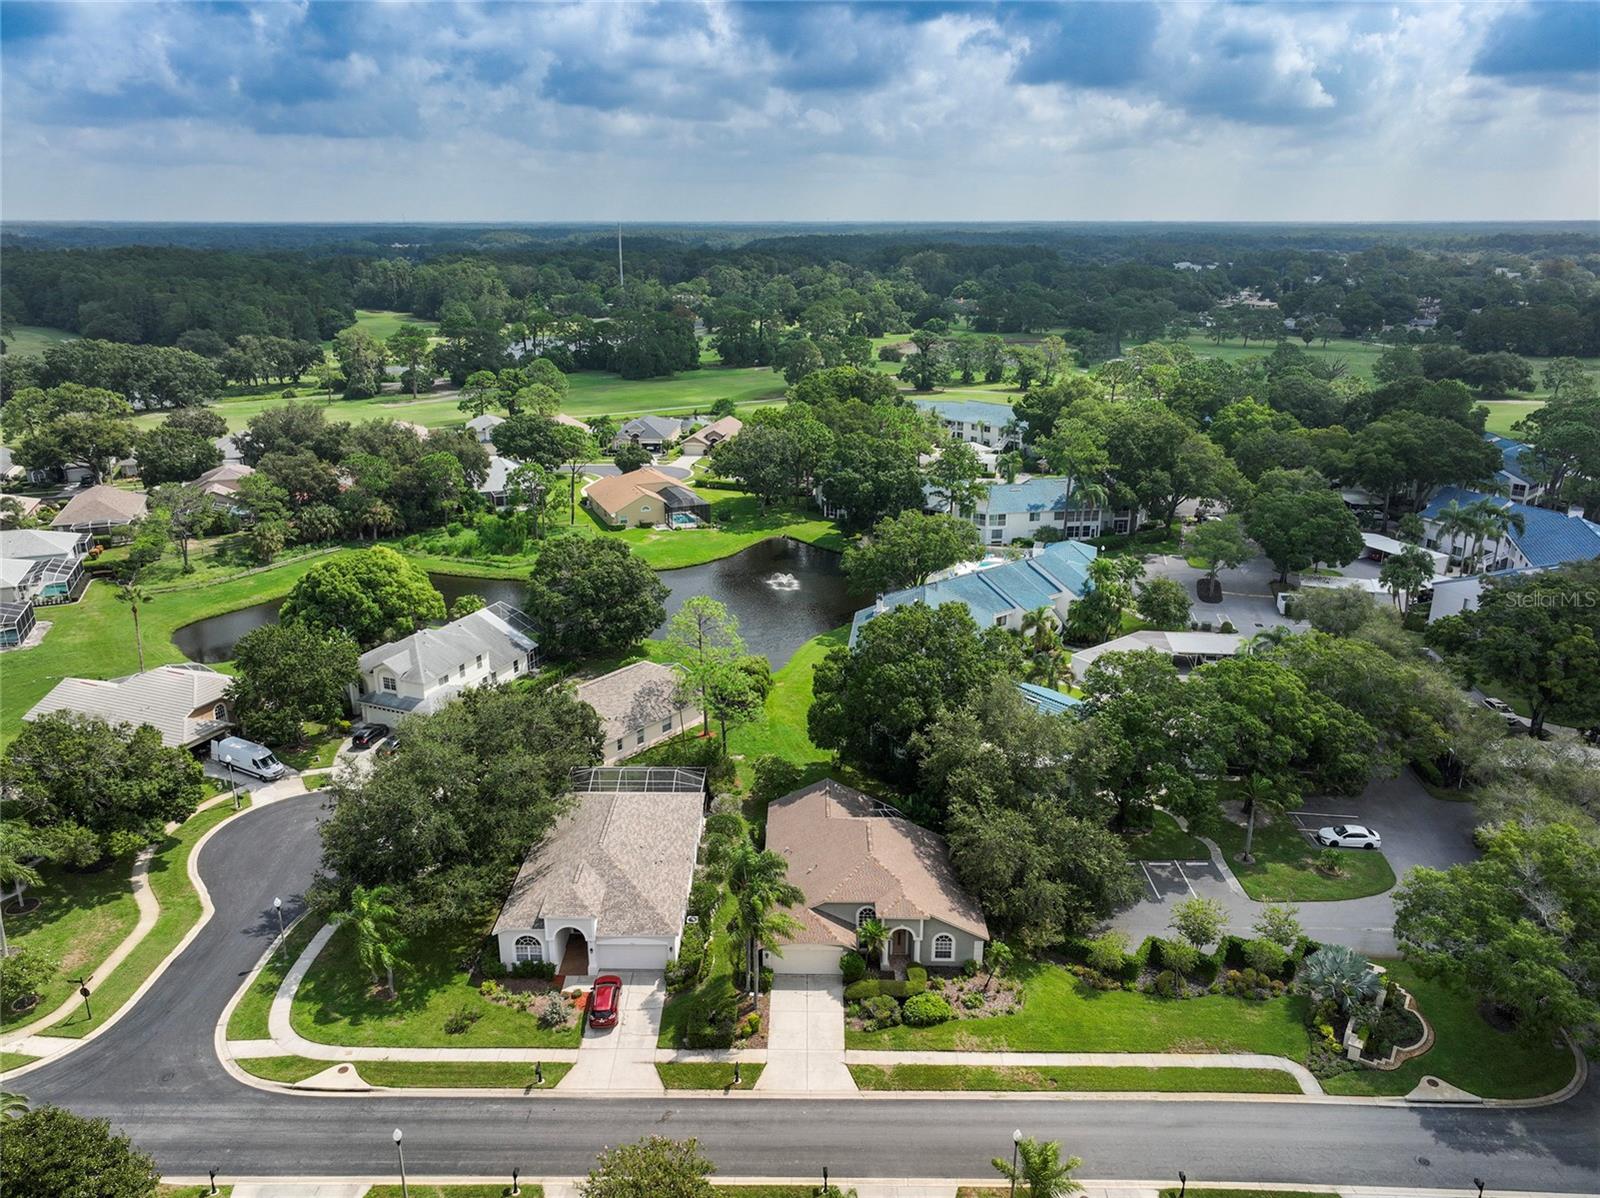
x: 605, y: 1000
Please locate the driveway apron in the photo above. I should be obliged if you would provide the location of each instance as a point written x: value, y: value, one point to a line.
x: 805, y: 1047
x: 624, y: 1057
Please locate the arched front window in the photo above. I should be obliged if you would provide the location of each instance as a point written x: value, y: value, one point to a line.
x: 528, y: 948
x: 865, y: 915
x: 944, y: 947
x: 220, y: 711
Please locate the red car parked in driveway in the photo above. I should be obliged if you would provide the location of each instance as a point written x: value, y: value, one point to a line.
x: 605, y: 1000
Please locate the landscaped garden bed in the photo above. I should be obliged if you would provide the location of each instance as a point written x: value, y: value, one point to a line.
x: 1289, y: 868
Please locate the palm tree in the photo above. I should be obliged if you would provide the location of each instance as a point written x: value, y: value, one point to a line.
x: 1257, y: 793
x: 371, y: 919
x: 1453, y: 522
x: 131, y: 593
x: 1039, y: 626
x: 1268, y: 639
x: 871, y: 937
x: 1491, y: 519
x: 12, y: 1105
x: 1089, y: 495
x: 1010, y: 465
x: 760, y: 891
x: 1041, y: 1169
x: 1339, y: 972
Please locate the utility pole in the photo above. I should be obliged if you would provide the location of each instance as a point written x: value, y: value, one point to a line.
x: 621, y: 282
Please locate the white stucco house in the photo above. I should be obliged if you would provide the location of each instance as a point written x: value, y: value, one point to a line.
x: 608, y: 888
x: 429, y: 668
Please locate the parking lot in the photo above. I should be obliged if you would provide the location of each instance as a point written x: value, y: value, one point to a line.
x: 1417, y: 829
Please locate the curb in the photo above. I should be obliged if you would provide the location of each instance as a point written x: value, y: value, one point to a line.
x: 207, y: 910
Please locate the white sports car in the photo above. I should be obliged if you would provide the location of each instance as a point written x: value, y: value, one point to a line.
x: 1349, y: 836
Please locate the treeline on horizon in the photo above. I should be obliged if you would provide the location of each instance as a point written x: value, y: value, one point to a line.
x: 1528, y: 290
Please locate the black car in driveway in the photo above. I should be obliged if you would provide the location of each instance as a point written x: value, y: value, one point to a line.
x: 367, y: 735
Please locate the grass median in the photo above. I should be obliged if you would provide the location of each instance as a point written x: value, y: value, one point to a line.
x: 1166, y: 841
x: 434, y: 1075
x: 1208, y: 1079
x: 490, y: 1190
x: 1284, y: 870
x: 14, y: 1060
x: 707, y: 1075
x: 180, y: 911
x: 250, y: 1014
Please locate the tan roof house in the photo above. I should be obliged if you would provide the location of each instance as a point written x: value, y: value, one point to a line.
x: 638, y: 706
x: 608, y: 888
x: 704, y: 440
x: 569, y: 421
x: 185, y: 703
x: 222, y: 482
x: 857, y: 859
x: 644, y: 497
x: 100, y: 508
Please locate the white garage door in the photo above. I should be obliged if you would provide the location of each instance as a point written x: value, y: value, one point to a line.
x: 806, y: 958
x: 613, y: 955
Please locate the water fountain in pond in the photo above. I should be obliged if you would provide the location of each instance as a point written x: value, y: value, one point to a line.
x: 784, y: 582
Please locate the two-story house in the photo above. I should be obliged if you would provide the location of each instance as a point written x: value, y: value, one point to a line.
x: 990, y: 424
x: 1000, y: 593
x: 1515, y: 475
x: 429, y: 668
x: 1021, y: 510
x: 1547, y: 538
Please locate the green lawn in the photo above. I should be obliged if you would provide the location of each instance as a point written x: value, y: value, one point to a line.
x: 1283, y: 870
x: 1359, y: 356
x: 81, y: 918
x: 14, y: 1060
x: 501, y: 1075
x: 1085, y: 1079
x: 384, y: 324
x: 781, y: 729
x: 1467, y: 1052
x: 674, y: 1016
x: 200, y: 1191
x: 772, y: 1191
x: 180, y: 911
x: 336, y: 1005
x: 318, y: 752
x: 1059, y: 1015
x: 288, y: 1069
x: 707, y: 1075
x: 249, y: 1018
x: 1167, y: 842
x: 1503, y: 413
x: 34, y: 338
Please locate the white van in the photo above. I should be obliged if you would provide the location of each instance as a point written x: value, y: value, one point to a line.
x: 248, y: 758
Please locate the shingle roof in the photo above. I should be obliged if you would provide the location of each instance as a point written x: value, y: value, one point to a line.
x: 619, y: 490
x: 569, y: 421
x: 728, y: 426
x: 969, y: 411
x: 626, y: 859
x: 843, y: 846
x: 1025, y: 584
x: 486, y: 421
x: 162, y: 697
x: 224, y: 479
x: 491, y: 631
x: 1548, y: 538
x: 636, y: 695
x: 104, y: 505
x: 650, y: 428
x: 499, y: 477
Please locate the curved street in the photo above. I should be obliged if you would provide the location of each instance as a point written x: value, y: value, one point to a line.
x: 155, y: 1075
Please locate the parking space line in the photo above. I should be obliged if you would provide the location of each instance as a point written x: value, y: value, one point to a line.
x: 1323, y: 815
x: 1185, y: 878
x: 1148, y: 881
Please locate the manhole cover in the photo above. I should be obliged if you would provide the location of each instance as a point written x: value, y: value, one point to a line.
x: 344, y: 1069
x: 1424, y: 1161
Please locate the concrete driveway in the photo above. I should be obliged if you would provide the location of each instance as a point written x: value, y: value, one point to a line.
x: 1417, y: 829
x: 1247, y: 598
x: 805, y: 1045
x: 624, y: 1057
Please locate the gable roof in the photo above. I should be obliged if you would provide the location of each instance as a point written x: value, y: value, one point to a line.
x: 844, y: 846
x: 969, y: 411
x: 430, y: 656
x: 486, y: 421
x: 1511, y: 463
x: 626, y: 859
x: 1548, y: 538
x: 619, y: 490
x: 991, y: 591
x: 163, y: 698
x: 498, y: 478
x: 569, y: 421
x: 223, y: 479
x: 104, y: 505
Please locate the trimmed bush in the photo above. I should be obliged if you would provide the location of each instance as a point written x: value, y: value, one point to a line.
x: 925, y: 1010
x: 880, y: 1012
x: 1167, y: 984
x: 1107, y: 953
x: 711, y: 1016
x: 1265, y: 957
x: 862, y: 990
x: 916, y: 974
x: 903, y: 990
x: 852, y: 967
x: 534, y: 969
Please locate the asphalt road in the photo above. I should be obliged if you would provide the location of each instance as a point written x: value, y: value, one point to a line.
x: 156, y: 1076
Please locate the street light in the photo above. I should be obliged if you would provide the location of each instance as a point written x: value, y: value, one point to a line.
x: 1478, y: 1181
x: 1016, y: 1143
x: 405, y: 1190
x: 83, y: 992
x: 515, y: 1188
x: 277, y: 905
x: 213, y: 1189
x: 1183, y: 1183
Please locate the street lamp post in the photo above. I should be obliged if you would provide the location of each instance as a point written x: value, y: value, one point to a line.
x: 405, y: 1190
x: 1183, y: 1183
x: 83, y: 992
x: 1478, y: 1181
x: 515, y: 1188
x: 1016, y: 1143
x: 277, y: 905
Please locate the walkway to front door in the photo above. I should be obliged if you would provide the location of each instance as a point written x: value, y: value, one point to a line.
x: 575, y: 960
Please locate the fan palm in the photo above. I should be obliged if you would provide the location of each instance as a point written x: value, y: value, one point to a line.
x: 1040, y: 1167
x: 371, y: 918
x: 12, y: 1105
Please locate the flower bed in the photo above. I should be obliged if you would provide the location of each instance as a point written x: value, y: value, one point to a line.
x: 924, y: 999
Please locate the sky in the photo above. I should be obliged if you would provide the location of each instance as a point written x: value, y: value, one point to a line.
x: 688, y: 111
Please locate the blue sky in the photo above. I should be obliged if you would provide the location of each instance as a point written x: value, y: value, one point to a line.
x: 796, y: 111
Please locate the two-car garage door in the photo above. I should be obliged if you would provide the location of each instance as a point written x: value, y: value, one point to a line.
x: 806, y: 958
x: 622, y: 954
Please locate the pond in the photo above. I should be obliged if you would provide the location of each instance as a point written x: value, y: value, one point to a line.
x: 783, y: 593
